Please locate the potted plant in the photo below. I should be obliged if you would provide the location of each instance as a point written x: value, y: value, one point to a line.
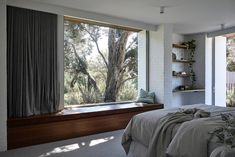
x: 191, y: 46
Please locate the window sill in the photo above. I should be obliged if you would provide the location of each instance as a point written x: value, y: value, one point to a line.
x: 71, y: 123
x: 70, y: 113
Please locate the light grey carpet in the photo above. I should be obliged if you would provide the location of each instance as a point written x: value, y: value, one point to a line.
x: 100, y: 145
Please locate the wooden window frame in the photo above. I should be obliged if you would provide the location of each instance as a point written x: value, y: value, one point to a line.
x: 103, y: 24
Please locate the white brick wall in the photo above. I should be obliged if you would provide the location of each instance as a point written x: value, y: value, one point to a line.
x: 177, y: 97
x: 161, y: 80
x: 3, y: 73
x: 156, y: 63
x: 167, y: 65
x: 160, y: 64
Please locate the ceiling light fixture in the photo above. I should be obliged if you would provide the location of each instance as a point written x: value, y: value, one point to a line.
x: 162, y: 9
x: 222, y: 26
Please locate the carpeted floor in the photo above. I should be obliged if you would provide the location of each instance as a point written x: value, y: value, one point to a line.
x: 99, y: 145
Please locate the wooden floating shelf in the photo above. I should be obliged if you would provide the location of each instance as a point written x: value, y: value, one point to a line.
x: 190, y: 90
x: 184, y: 61
x: 179, y: 46
x: 187, y: 75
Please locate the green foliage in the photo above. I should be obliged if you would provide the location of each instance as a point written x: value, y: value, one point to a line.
x: 230, y: 100
x: 85, y: 67
x: 191, y: 46
x: 230, y: 54
x: 128, y: 91
x: 230, y: 65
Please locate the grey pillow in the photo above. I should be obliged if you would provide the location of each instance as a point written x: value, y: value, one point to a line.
x: 146, y: 97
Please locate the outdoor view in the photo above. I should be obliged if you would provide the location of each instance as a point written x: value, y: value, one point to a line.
x: 230, y: 82
x: 100, y: 64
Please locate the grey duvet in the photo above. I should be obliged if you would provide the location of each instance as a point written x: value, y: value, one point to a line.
x: 185, y: 136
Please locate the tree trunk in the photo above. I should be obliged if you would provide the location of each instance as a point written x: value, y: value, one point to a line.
x: 117, y: 41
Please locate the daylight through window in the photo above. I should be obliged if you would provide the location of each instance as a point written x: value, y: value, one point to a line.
x: 100, y: 64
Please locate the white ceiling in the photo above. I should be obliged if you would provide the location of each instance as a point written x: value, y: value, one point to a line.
x: 188, y: 16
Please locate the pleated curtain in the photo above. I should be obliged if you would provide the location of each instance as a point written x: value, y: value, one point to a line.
x: 32, y: 68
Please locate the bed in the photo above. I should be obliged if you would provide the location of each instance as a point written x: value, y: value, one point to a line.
x: 144, y: 137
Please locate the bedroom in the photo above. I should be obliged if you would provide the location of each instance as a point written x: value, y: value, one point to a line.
x: 181, y: 21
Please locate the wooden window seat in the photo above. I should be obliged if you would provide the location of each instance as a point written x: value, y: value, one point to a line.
x: 72, y: 122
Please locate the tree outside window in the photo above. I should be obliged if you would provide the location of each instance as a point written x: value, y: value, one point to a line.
x: 100, y: 64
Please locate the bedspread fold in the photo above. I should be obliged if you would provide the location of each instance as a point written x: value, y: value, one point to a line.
x: 176, y: 132
x: 168, y: 126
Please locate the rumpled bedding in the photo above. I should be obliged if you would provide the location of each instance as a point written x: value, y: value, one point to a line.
x: 167, y: 128
x: 192, y: 137
x: 175, y: 135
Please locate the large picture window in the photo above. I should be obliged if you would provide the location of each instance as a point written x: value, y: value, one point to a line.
x: 100, y: 64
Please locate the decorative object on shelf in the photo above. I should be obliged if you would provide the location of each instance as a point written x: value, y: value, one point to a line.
x: 226, y: 137
x: 180, y: 74
x: 173, y: 56
x: 188, y: 91
x: 190, y: 46
x: 182, y: 87
x: 184, y: 61
x: 162, y: 9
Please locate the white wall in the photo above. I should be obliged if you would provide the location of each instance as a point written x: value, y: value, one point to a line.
x: 177, y: 98
x: 168, y: 31
x: 188, y: 98
x: 3, y: 77
x: 220, y: 71
x: 198, y: 68
x: 200, y: 54
x: 160, y: 64
x: 161, y: 80
x: 156, y: 63
x: 142, y: 60
x: 79, y: 13
x: 208, y: 75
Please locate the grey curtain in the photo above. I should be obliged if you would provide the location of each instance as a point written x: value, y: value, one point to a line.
x: 32, y: 74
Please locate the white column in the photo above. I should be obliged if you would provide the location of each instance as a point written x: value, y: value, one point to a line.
x: 142, y: 64
x: 168, y: 35
x: 220, y: 71
x: 3, y: 78
x: 208, y: 73
x: 160, y: 58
